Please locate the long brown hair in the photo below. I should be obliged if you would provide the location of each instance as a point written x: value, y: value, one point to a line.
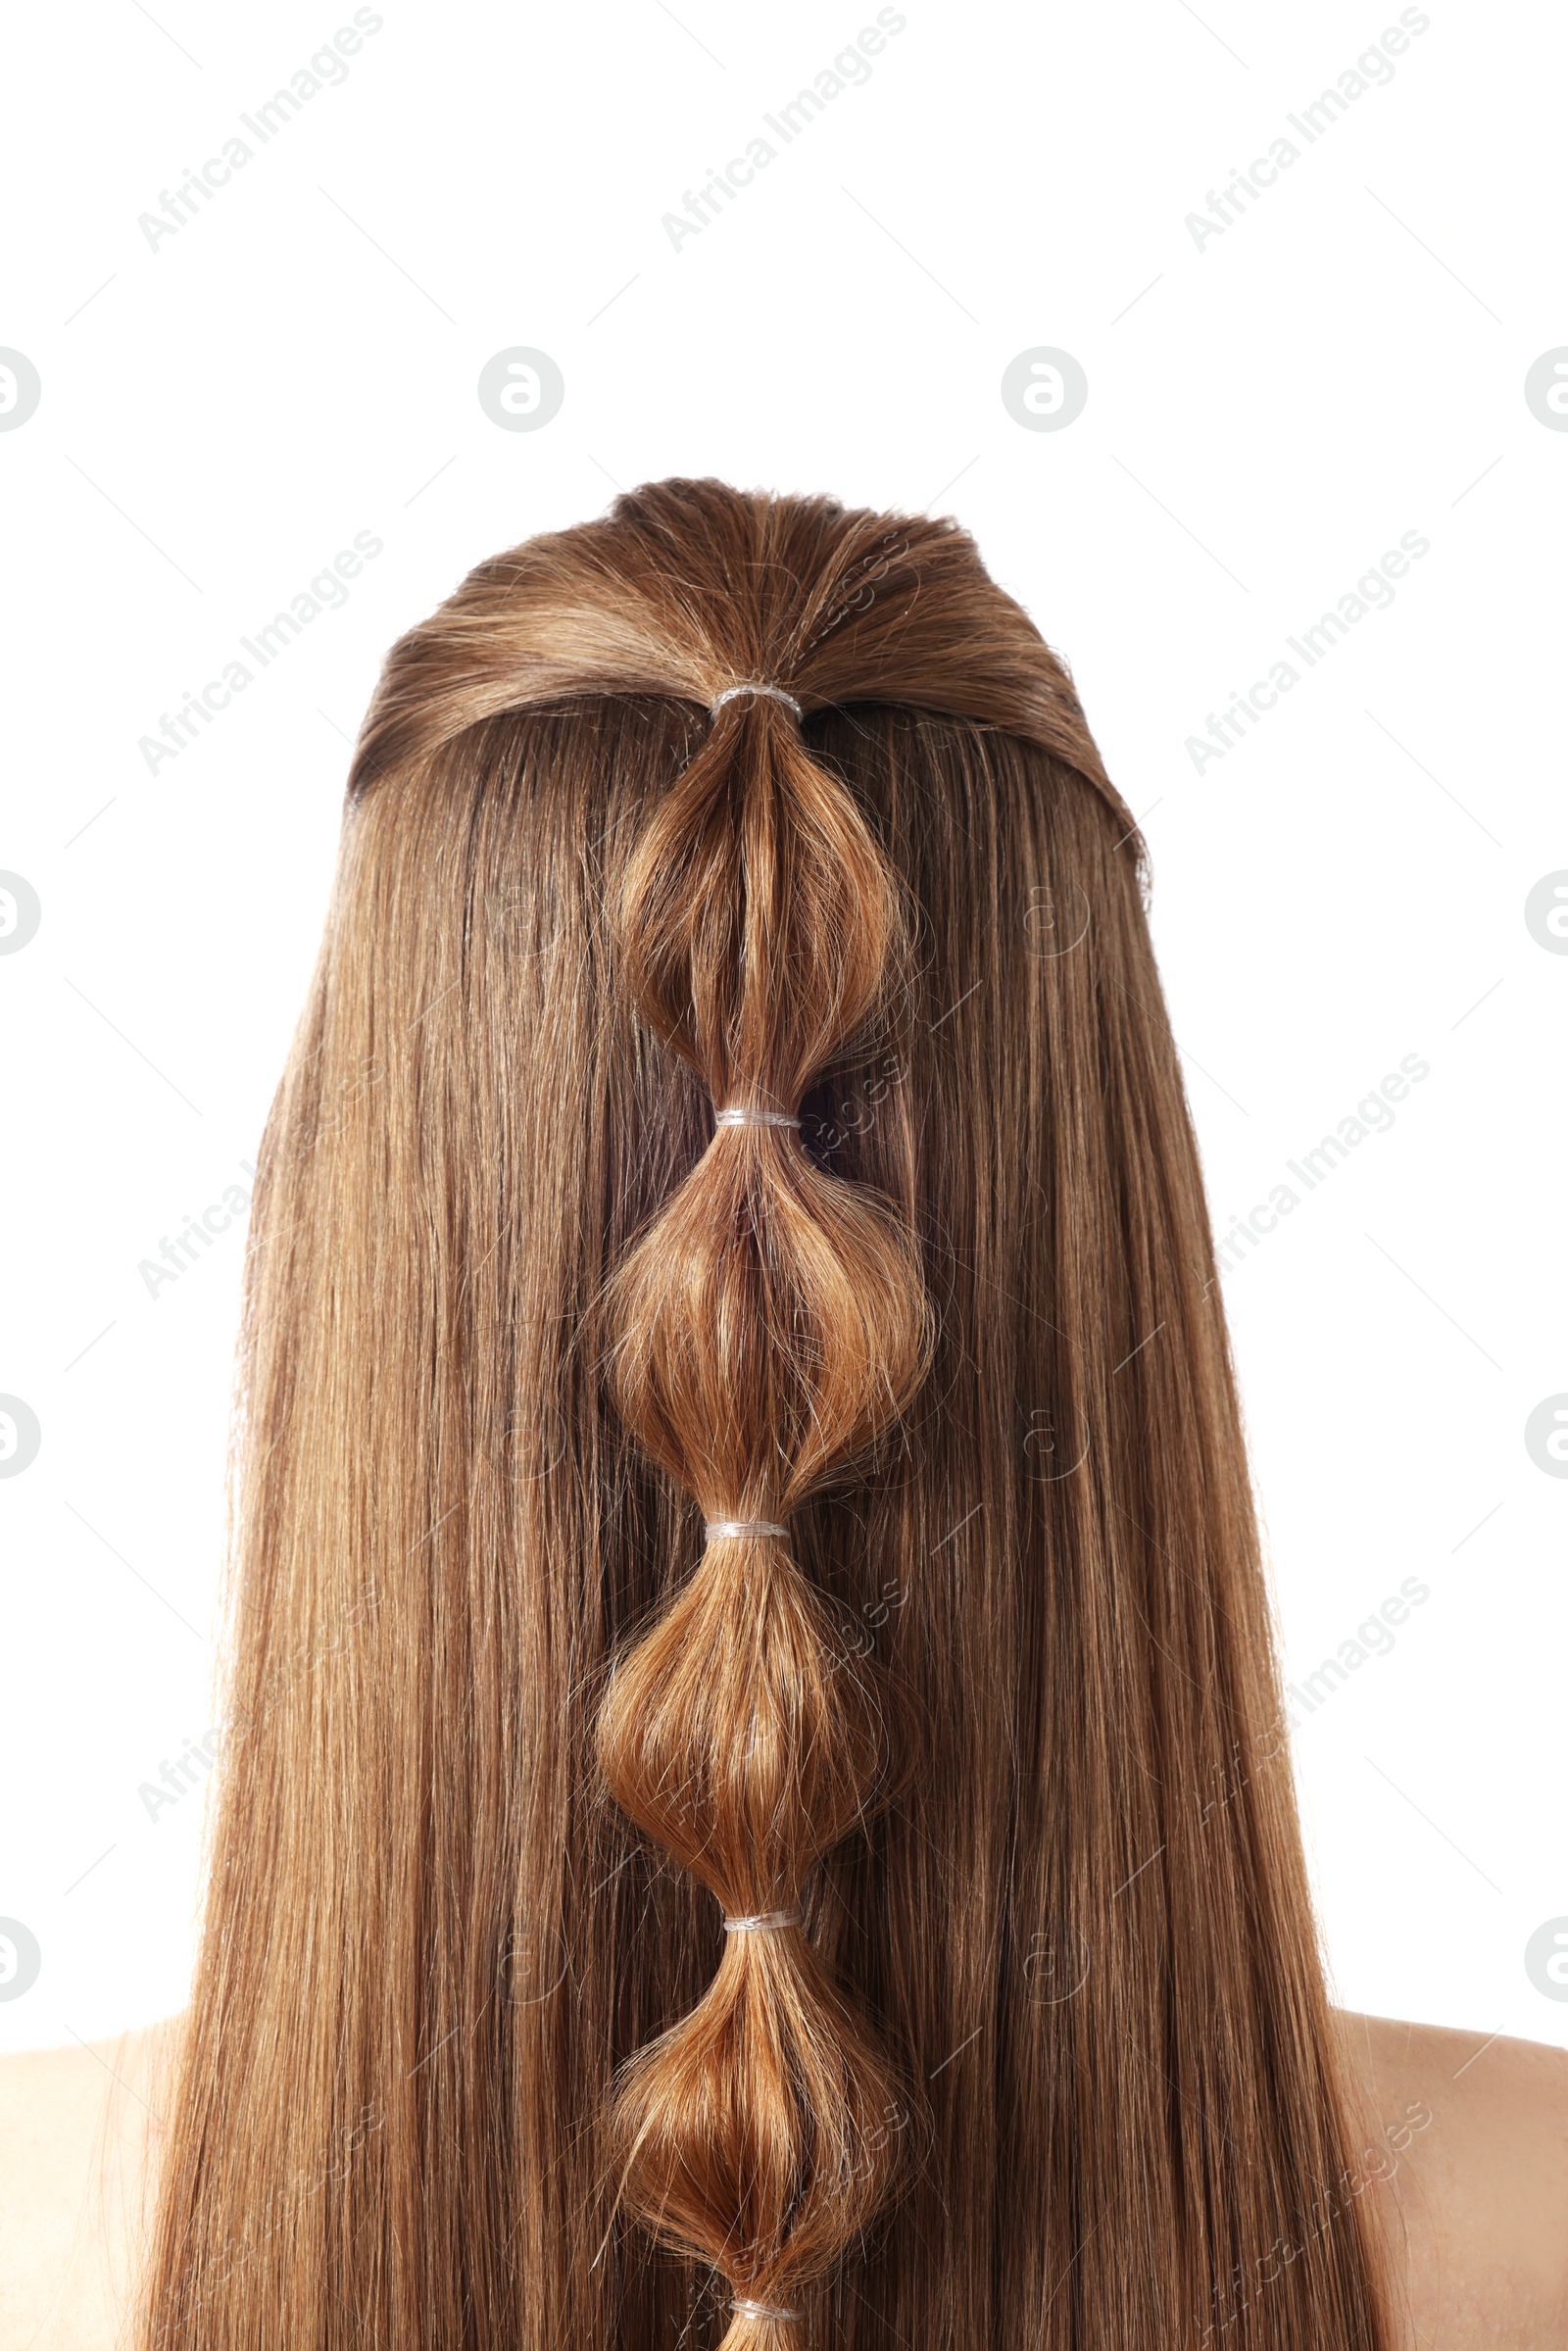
x: 846, y: 1519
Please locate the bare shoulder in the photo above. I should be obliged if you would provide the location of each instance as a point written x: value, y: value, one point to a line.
x: 1473, y: 2132
x: 78, y: 2127
x: 1476, y: 2211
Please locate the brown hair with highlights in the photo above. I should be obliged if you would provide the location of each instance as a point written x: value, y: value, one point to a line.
x: 1032, y: 2047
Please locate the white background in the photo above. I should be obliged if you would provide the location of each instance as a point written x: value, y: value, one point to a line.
x: 1267, y: 413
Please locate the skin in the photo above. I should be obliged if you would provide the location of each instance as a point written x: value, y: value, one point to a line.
x: 80, y: 2142
x: 1474, y: 2217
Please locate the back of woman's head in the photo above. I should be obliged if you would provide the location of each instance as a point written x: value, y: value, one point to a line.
x: 754, y: 1808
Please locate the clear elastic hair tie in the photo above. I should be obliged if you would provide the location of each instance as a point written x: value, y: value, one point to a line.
x: 745, y: 1114
x: 762, y: 1922
x: 754, y: 685
x: 768, y: 2310
x: 718, y: 1530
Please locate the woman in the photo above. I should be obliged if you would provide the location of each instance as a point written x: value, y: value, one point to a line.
x: 755, y: 1807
